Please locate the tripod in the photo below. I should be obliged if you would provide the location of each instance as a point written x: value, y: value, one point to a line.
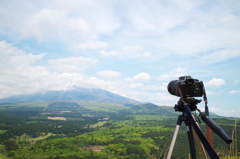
x: 186, y: 105
x: 190, y: 123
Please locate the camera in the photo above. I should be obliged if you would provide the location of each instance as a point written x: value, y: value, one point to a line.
x: 186, y: 85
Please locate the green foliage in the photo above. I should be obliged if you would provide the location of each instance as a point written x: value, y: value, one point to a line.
x: 4, y: 156
x: 10, y: 145
x: 127, y: 136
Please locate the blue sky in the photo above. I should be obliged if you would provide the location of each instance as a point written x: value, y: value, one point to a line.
x: 133, y: 48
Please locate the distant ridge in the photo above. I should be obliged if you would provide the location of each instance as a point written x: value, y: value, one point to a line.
x: 74, y: 94
x: 150, y: 109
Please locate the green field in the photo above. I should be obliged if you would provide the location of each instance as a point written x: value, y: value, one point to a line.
x: 106, y: 107
x: 3, y: 156
x: 151, y: 117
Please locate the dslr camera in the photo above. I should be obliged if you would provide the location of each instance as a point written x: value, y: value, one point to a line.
x: 187, y: 88
x: 187, y: 85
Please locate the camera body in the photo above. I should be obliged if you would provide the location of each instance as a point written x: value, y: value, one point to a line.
x: 189, y: 87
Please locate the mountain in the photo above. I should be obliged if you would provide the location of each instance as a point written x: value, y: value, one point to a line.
x: 74, y: 94
x: 150, y: 109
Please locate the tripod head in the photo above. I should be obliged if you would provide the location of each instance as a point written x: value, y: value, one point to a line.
x: 192, y: 104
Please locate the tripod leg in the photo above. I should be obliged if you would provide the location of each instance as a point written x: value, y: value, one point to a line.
x: 191, y: 140
x: 200, y: 146
x: 204, y: 141
x: 173, y: 141
x: 179, y: 122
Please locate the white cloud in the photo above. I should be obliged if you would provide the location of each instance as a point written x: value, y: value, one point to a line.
x: 155, y: 87
x: 18, y: 76
x: 206, y: 34
x: 161, y: 98
x: 215, y: 83
x: 42, y: 25
x: 72, y: 64
x: 13, y: 56
x: 136, y: 85
x: 174, y: 75
x: 188, y: 30
x: 224, y: 112
x: 210, y: 92
x: 131, y: 49
x: 141, y: 77
x: 145, y: 96
x: 91, y: 45
x: 134, y: 51
x: 234, y: 91
x: 220, y: 55
x: 78, y: 79
x: 109, y: 53
x: 109, y: 74
x: 221, y: 111
x: 65, y: 22
x: 143, y: 87
x: 230, y: 21
x: 236, y: 82
x: 142, y: 16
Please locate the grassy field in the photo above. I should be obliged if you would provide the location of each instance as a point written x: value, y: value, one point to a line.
x: 29, y: 104
x: 107, y: 107
x: 33, y: 140
x: 150, y: 117
x: 102, y: 106
x: 3, y: 156
x: 2, y: 131
x: 99, y: 124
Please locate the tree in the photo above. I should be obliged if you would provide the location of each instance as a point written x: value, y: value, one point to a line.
x: 10, y: 145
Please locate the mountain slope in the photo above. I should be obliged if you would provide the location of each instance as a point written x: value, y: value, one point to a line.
x: 150, y: 109
x: 76, y: 94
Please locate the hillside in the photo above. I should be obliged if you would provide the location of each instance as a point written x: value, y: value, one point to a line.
x: 150, y: 109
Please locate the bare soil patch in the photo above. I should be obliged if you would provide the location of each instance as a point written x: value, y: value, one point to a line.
x: 57, y: 118
x: 93, y: 148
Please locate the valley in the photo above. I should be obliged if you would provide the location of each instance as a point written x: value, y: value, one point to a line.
x: 93, y: 130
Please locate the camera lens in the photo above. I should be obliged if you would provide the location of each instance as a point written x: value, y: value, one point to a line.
x: 173, y: 88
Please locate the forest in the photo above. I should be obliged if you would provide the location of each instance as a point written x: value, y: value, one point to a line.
x: 88, y: 130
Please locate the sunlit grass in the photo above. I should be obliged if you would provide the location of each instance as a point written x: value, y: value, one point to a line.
x: 3, y: 156
x: 233, y: 152
x: 32, y: 140
x: 107, y: 107
x: 150, y: 117
x: 99, y: 124
x: 2, y: 131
